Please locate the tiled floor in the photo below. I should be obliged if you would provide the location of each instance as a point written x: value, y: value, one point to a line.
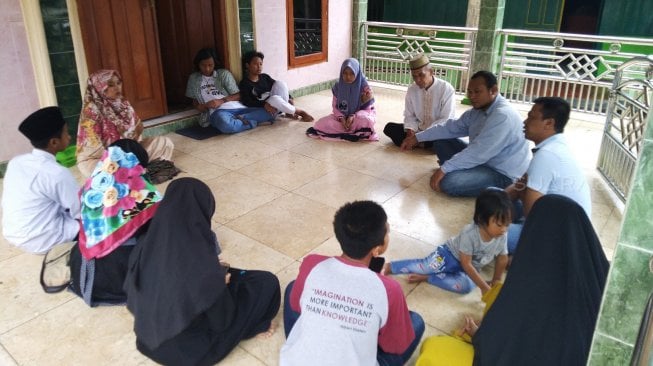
x: 276, y: 193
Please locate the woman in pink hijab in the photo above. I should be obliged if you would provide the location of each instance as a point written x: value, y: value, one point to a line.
x: 107, y: 117
x: 353, y: 114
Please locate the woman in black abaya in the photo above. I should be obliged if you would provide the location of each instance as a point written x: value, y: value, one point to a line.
x: 546, y: 311
x: 188, y: 309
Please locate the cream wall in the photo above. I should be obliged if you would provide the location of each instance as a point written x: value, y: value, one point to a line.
x: 18, y: 92
x: 271, y: 39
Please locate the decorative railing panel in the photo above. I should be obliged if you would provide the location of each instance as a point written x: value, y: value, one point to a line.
x: 579, y: 68
x: 389, y: 46
x: 630, y: 102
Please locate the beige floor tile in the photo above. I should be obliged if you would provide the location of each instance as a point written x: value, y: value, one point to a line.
x: 330, y: 247
x: 21, y: 295
x: 287, y: 170
x: 424, y: 183
x: 5, y: 358
x: 442, y: 309
x: 194, y: 166
x: 291, y: 224
x: 7, y: 250
x: 283, y: 134
x: 335, y: 152
x: 431, y: 218
x: 237, y: 194
x: 601, y: 212
x: 609, y: 233
x: 344, y: 185
x: 601, y: 191
x: 243, y: 252
x: 317, y: 104
x: 240, y: 357
x: 189, y: 145
x: 235, y: 151
x: 391, y: 164
x: 74, y: 334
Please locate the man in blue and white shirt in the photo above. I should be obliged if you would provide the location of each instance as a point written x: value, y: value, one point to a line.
x: 497, y: 153
x: 553, y: 169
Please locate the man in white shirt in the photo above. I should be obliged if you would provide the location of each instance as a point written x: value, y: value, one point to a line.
x: 553, y: 169
x: 40, y: 200
x: 429, y: 101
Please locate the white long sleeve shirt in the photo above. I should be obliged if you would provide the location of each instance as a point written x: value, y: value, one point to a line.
x: 40, y: 202
x: 427, y: 107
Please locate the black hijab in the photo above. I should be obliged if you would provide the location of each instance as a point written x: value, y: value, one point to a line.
x: 174, y: 274
x: 547, y: 308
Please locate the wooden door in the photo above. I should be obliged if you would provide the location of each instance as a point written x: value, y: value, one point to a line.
x: 186, y: 26
x: 122, y: 35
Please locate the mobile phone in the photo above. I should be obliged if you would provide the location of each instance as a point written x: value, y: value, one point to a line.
x: 376, y: 264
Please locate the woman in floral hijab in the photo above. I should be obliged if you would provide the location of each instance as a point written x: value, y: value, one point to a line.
x: 106, y: 117
x: 118, y: 201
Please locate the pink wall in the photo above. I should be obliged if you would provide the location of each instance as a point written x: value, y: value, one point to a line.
x: 18, y: 88
x: 271, y: 39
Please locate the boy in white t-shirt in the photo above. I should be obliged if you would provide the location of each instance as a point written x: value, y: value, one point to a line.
x: 338, y: 311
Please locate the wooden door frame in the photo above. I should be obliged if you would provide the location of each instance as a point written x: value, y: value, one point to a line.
x: 220, y: 31
x: 314, y: 58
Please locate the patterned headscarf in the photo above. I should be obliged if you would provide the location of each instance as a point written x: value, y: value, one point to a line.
x: 348, y: 96
x: 104, y: 120
x: 116, y: 200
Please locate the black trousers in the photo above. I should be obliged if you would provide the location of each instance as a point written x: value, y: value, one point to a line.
x: 395, y: 131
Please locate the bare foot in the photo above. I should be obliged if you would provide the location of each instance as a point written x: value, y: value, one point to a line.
x: 305, y: 116
x: 417, y: 278
x: 268, y: 333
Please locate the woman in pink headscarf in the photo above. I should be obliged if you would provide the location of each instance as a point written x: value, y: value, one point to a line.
x: 353, y: 114
x: 107, y: 117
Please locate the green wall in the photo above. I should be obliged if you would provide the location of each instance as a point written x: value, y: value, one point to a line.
x: 429, y: 12
x: 62, y: 61
x: 631, y: 18
x: 630, y: 281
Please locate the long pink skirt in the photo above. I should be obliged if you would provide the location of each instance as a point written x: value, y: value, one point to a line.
x: 329, y: 128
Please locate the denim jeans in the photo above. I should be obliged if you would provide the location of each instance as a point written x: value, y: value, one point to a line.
x: 445, y: 149
x: 383, y: 358
x: 231, y: 120
x: 514, y: 232
x: 443, y: 269
x: 466, y: 182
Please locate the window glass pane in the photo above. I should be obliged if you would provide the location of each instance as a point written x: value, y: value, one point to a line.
x: 308, y: 26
